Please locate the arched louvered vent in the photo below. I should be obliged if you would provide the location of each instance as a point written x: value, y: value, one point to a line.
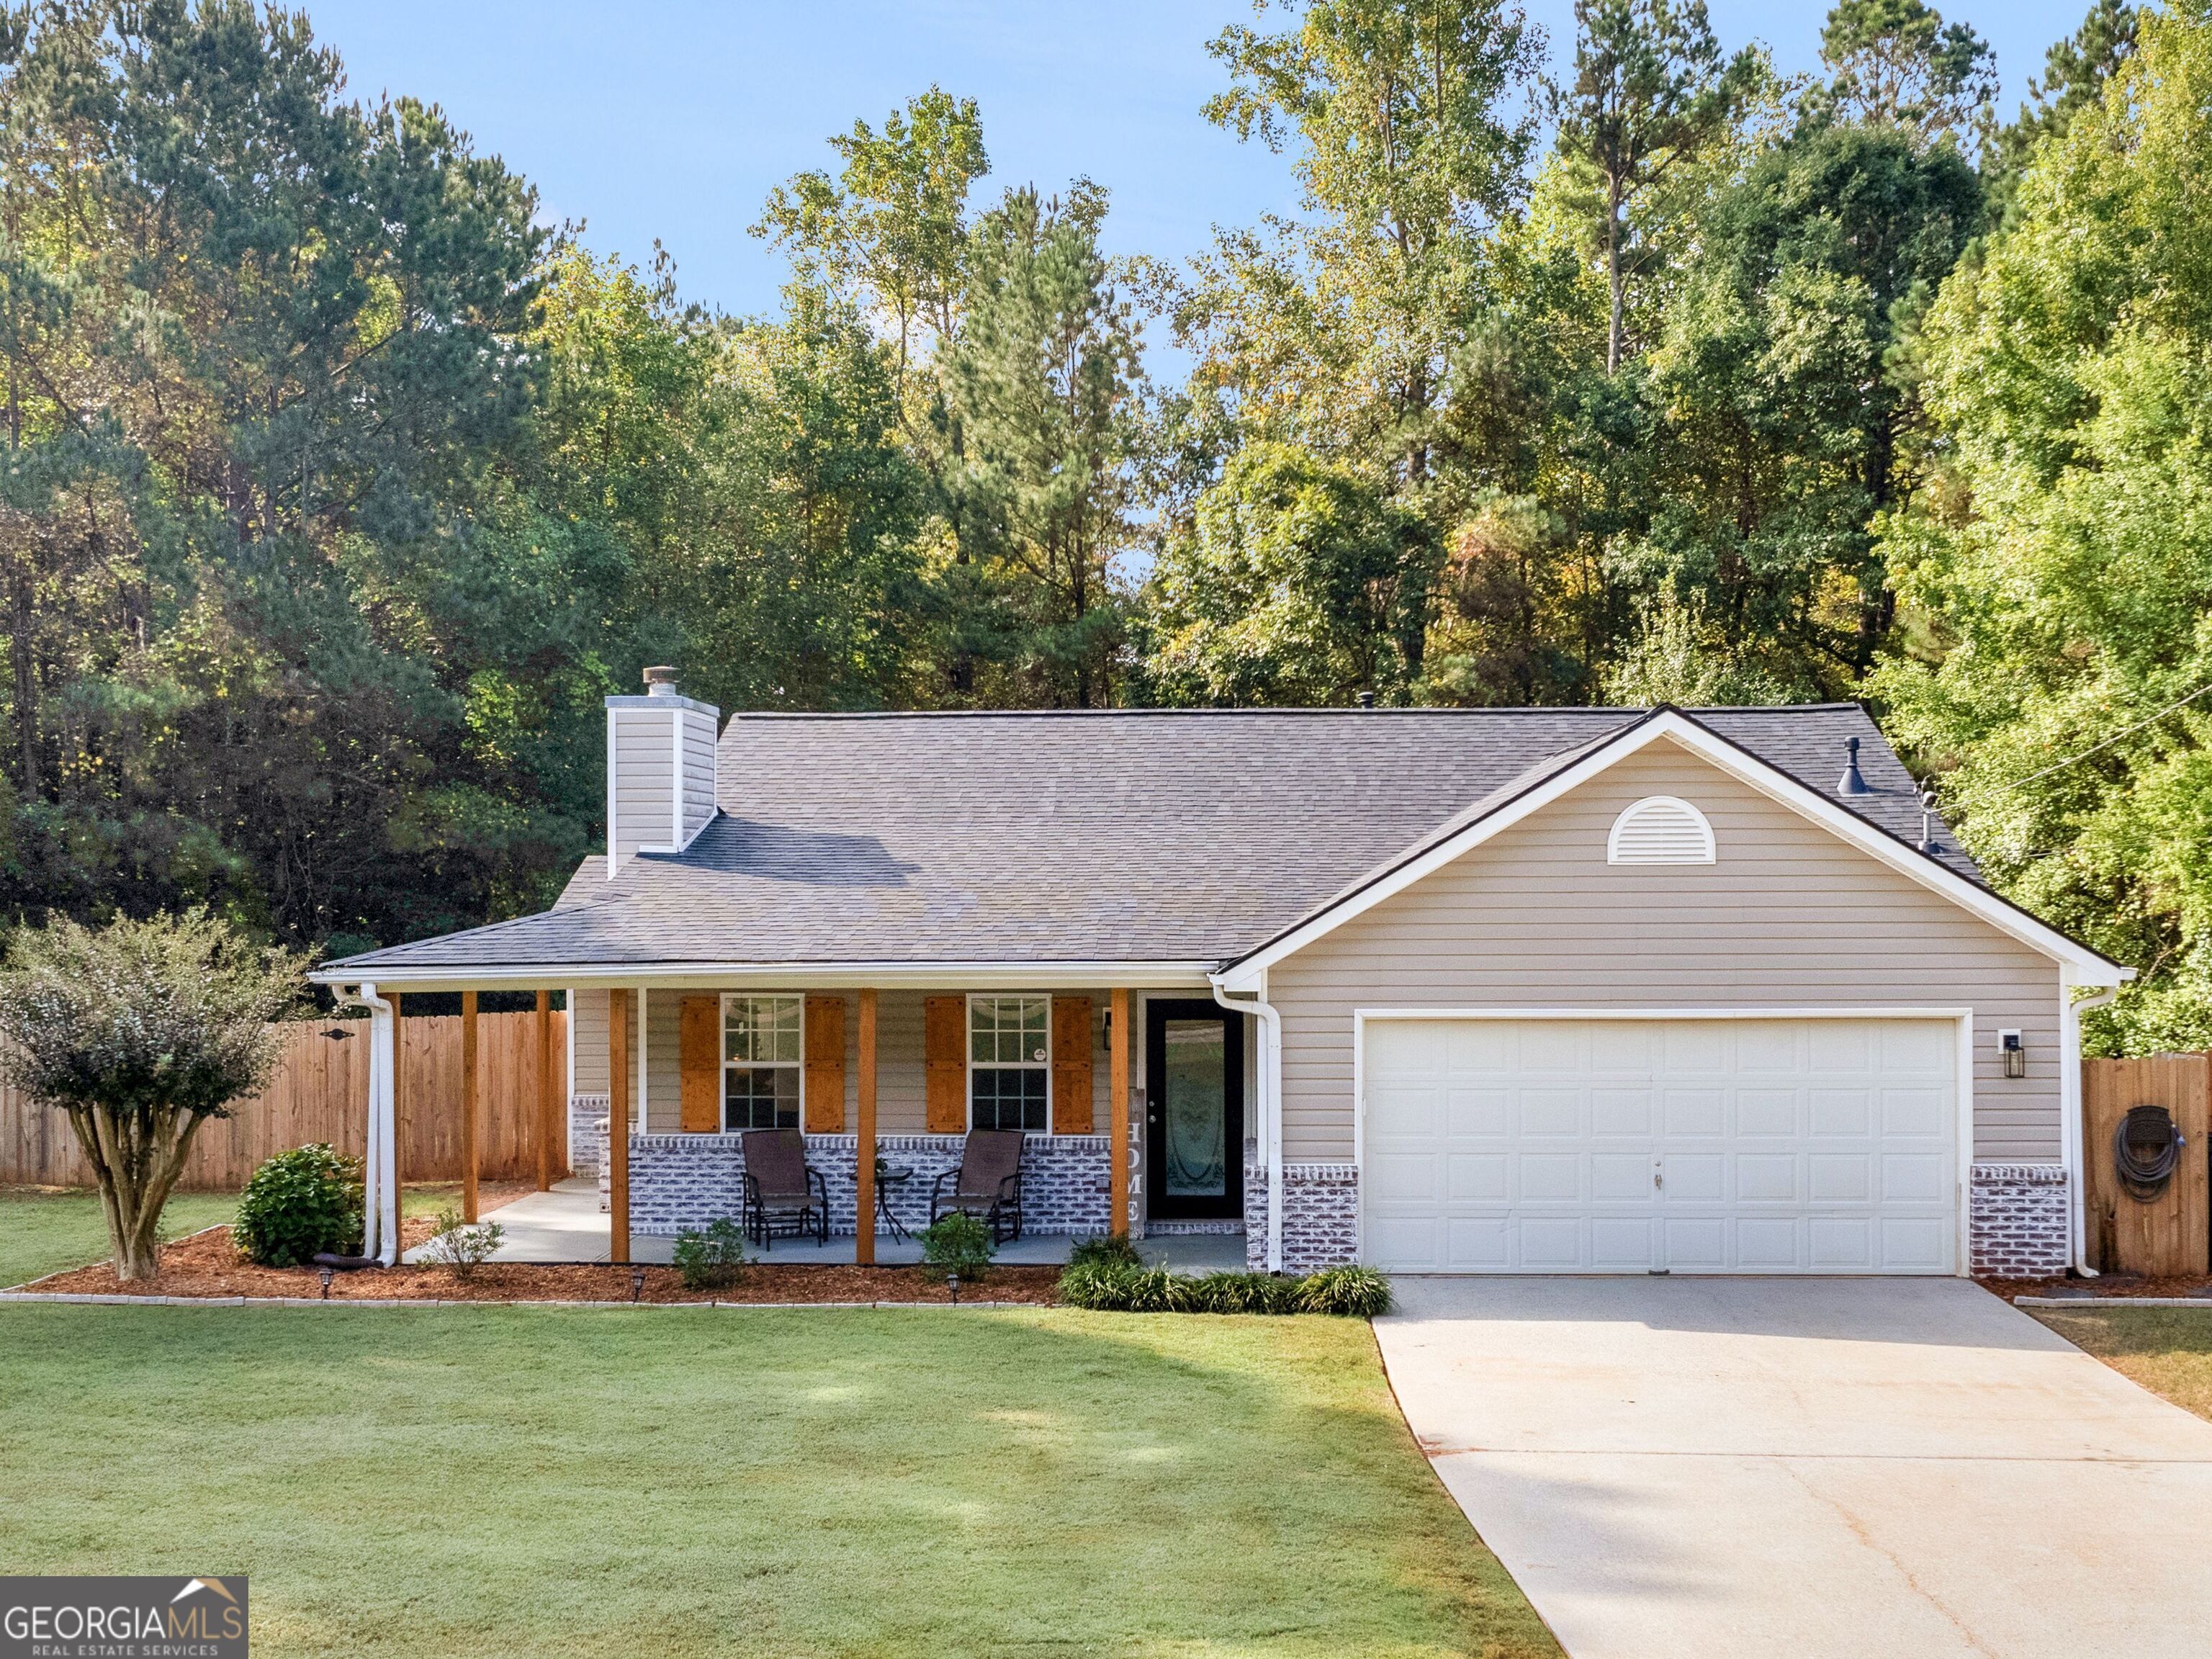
x: 1659, y: 830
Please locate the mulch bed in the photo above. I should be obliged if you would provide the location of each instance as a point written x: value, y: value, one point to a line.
x: 208, y: 1264
x: 2106, y: 1287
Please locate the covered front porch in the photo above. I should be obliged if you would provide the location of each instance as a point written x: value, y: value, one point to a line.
x: 567, y: 1224
x: 877, y: 1089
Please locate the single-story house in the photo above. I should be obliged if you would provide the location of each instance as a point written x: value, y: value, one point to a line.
x: 1494, y: 990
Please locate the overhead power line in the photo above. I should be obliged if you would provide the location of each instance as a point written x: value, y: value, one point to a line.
x: 2060, y: 766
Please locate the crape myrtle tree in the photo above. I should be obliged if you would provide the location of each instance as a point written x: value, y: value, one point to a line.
x: 141, y: 1031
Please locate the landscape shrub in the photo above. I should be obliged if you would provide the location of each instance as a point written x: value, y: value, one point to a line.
x: 1105, y: 1250
x: 956, y: 1245
x: 1114, y: 1287
x: 713, y: 1259
x: 301, y: 1204
x: 462, y: 1246
x: 1351, y: 1292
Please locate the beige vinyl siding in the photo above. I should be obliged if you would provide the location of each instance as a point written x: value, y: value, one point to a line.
x: 641, y: 802
x: 664, y: 1036
x: 902, y: 1105
x: 698, y: 770
x: 1789, y: 916
x: 588, y: 1011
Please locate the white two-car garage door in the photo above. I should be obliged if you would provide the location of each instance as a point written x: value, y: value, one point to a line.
x: 1691, y: 1144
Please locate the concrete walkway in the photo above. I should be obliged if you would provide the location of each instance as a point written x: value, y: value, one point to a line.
x: 1700, y: 1469
x: 567, y: 1224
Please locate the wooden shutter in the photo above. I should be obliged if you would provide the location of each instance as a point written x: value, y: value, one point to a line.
x: 944, y: 1062
x: 826, y: 1065
x: 699, y: 1063
x: 1071, y: 1066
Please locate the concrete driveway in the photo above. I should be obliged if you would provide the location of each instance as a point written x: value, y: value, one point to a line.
x: 1816, y: 1468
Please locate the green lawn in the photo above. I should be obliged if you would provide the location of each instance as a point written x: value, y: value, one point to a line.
x: 2167, y: 1350
x: 45, y: 1229
x: 525, y: 1481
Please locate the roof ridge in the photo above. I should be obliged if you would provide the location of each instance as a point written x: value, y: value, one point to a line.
x: 1615, y: 709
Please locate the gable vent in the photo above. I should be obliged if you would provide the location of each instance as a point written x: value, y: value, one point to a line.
x: 1659, y: 830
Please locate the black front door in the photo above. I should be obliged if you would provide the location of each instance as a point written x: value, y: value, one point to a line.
x: 1193, y: 1110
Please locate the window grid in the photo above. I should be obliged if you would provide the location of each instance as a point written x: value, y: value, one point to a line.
x: 1009, y: 1063
x: 761, y: 1054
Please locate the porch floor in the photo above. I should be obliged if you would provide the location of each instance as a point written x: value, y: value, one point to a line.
x: 567, y: 1224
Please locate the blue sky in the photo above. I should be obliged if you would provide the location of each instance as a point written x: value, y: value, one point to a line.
x: 672, y: 119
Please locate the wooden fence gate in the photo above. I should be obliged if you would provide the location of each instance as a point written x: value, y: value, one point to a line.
x: 321, y: 1092
x: 2172, y: 1235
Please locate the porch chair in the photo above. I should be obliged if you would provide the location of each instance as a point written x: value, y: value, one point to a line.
x: 782, y: 1194
x: 987, y: 1183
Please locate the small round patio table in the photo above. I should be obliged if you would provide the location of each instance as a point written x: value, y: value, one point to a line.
x: 889, y: 1176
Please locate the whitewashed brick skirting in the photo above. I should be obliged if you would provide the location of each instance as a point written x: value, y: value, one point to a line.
x: 586, y: 1133
x: 682, y: 1180
x: 1320, y: 1216
x: 2017, y: 1223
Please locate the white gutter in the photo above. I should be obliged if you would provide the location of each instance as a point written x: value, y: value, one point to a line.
x: 1271, y: 1106
x: 1047, y: 975
x: 2072, y: 1149
x: 381, y: 1219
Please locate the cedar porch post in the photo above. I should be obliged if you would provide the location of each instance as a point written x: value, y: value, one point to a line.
x: 618, y: 1126
x: 544, y: 1090
x: 469, y: 1106
x: 864, y: 1147
x: 1117, y: 1120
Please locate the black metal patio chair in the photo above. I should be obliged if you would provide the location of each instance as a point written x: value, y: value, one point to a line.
x: 987, y: 1184
x: 782, y: 1194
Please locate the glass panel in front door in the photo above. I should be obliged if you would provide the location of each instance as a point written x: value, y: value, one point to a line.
x: 1197, y: 1073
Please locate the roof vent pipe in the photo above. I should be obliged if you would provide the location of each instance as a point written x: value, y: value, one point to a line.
x: 1927, y: 816
x: 1365, y: 700
x: 660, y: 681
x: 1851, y: 783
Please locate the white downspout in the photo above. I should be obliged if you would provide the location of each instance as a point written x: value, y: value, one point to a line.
x: 380, y: 1225
x: 1271, y: 1107
x: 2074, y: 1151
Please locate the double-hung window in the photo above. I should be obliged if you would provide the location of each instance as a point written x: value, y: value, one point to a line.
x: 1009, y: 1063
x: 761, y: 1055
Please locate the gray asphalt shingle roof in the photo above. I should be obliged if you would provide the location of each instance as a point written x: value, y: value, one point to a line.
x: 1138, y: 836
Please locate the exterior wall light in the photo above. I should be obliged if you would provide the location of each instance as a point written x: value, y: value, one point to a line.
x: 2014, y: 1052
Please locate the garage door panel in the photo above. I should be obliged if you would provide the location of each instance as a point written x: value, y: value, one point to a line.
x: 1551, y: 1177
x: 1556, y: 1112
x: 1619, y: 1177
x: 1478, y: 1178
x: 1696, y: 1112
x: 1764, y: 1178
x: 1619, y: 1243
x: 1844, y: 1114
x: 1622, y: 1112
x: 1784, y: 1145
x: 1777, y: 1114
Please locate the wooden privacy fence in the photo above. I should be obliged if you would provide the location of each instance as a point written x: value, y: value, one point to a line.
x: 2173, y: 1233
x: 321, y: 1092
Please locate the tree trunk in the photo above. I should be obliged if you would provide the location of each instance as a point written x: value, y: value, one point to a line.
x: 137, y: 1159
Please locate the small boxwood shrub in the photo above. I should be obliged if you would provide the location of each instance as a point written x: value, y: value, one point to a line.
x: 713, y: 1259
x: 300, y: 1204
x: 957, y: 1243
x: 1111, y: 1287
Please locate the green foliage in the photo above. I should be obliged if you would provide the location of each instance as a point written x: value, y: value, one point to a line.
x: 1350, y: 1292
x: 140, y: 1031
x: 461, y: 1245
x: 957, y: 1245
x: 712, y: 1258
x: 1105, y: 1286
x: 2058, y: 566
x: 1104, y: 1250
x: 298, y: 1205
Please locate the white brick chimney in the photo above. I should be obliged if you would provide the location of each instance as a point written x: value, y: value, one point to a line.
x: 660, y: 769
